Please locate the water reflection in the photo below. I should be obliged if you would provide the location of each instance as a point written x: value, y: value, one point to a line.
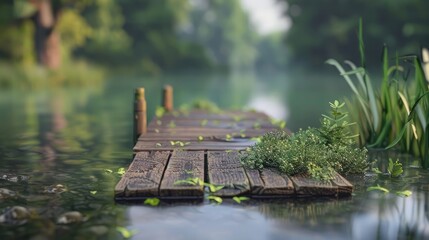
x: 69, y: 137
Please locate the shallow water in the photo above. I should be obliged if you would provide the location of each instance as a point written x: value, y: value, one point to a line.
x: 70, y: 136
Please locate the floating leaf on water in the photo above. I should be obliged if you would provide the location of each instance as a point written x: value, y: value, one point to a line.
x: 152, y: 202
x: 70, y: 217
x: 200, y: 138
x: 378, y: 188
x: 108, y: 170
x: 405, y: 193
x: 217, y: 199
x: 240, y: 199
x: 93, y: 192
x: 156, y: 130
x: 172, y: 143
x: 125, y: 232
x: 158, y: 145
x: 121, y: 171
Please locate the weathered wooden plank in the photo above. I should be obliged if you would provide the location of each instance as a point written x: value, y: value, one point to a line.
x: 143, y: 176
x: 269, y: 182
x: 205, y: 132
x: 305, y: 185
x: 191, y: 145
x: 224, y: 115
x: 255, y: 181
x: 344, y: 186
x: 224, y: 168
x: 183, y: 165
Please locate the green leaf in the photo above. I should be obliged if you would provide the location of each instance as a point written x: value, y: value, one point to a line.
x: 108, y: 170
x: 377, y: 171
x: 125, y: 232
x: 405, y: 193
x: 217, y: 199
x: 121, y: 171
x: 395, y: 168
x: 158, y: 144
x: 200, y: 138
x: 228, y: 137
x: 213, y: 188
x: 378, y: 188
x: 152, y: 202
x: 204, y: 122
x: 239, y: 199
x: 159, y: 112
x: 93, y: 192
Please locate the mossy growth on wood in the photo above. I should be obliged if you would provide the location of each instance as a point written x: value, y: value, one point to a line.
x: 316, y: 151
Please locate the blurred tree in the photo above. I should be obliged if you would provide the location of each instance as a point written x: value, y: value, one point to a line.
x: 327, y: 28
x: 224, y: 29
x: 272, y: 53
x: 109, y: 43
x: 39, y: 24
x: 153, y: 24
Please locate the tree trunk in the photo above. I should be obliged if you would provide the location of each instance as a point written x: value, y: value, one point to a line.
x: 47, y: 41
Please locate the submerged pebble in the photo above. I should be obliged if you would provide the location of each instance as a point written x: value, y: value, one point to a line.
x: 14, y: 178
x: 6, y: 193
x: 70, y: 217
x: 58, y: 188
x: 15, y: 215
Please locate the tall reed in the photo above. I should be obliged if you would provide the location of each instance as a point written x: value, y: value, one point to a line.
x: 396, y: 114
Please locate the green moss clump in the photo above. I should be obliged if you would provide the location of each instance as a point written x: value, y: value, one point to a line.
x: 316, y: 151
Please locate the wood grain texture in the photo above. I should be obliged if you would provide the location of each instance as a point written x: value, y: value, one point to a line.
x: 269, y: 182
x: 143, y: 176
x: 183, y: 165
x: 345, y: 188
x: 191, y: 145
x: 305, y: 185
x: 224, y: 168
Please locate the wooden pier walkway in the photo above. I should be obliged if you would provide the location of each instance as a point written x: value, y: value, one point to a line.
x: 205, y: 145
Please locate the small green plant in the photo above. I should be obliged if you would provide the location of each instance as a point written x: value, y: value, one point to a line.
x: 159, y: 112
x: 319, y: 152
x: 394, y: 114
x: 394, y: 169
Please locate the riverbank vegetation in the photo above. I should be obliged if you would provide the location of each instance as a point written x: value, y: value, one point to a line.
x: 319, y: 152
x: 396, y: 114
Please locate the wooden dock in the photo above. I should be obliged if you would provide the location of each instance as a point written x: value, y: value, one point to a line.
x: 207, y: 145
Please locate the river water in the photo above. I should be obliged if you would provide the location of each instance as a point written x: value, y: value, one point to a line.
x: 71, y: 136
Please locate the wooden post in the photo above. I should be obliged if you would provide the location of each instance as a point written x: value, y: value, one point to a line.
x: 140, y: 114
x: 168, y: 98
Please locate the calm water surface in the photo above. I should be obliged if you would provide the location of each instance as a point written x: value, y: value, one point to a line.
x: 70, y: 136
